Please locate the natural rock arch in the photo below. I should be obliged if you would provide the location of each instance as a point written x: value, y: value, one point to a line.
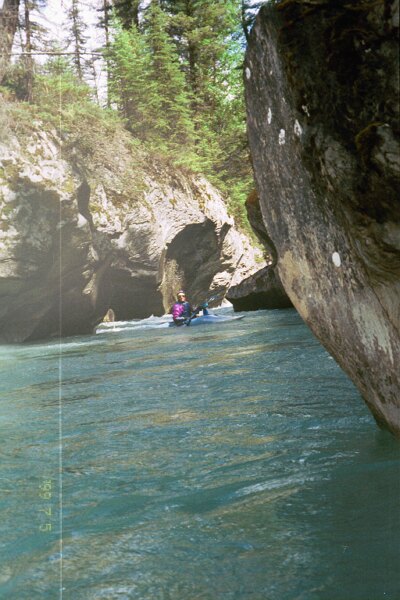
x: 191, y: 261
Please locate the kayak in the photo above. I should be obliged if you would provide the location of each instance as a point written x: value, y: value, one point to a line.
x: 165, y: 322
x: 209, y: 320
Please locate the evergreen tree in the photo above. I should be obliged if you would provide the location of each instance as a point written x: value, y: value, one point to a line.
x: 9, y: 11
x: 77, y: 38
x: 31, y: 39
x: 132, y: 89
x: 28, y: 49
x: 200, y: 30
x: 104, y: 25
x: 174, y: 123
x: 210, y: 43
x: 128, y: 12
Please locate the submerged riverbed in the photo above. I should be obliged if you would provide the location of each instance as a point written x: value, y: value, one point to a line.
x: 227, y: 462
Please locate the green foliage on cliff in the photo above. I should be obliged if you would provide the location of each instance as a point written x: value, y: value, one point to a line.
x: 174, y: 79
x: 177, y: 80
x: 59, y: 101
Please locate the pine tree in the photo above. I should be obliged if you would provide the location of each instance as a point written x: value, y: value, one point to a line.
x: 28, y: 49
x: 77, y: 38
x: 210, y: 44
x: 175, y: 119
x: 200, y: 30
x: 132, y: 89
x: 32, y: 38
x: 104, y: 24
x: 8, y: 28
x: 128, y: 12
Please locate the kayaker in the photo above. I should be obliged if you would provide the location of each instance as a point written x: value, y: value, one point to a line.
x: 182, y: 310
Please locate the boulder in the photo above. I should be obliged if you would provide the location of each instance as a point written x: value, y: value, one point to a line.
x: 81, y: 234
x: 262, y: 290
x: 322, y: 99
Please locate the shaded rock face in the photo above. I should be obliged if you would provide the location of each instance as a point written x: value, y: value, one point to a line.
x: 79, y: 236
x: 262, y: 290
x: 322, y: 97
x: 256, y: 221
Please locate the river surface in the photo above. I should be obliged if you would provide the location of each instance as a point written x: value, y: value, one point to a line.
x: 222, y: 462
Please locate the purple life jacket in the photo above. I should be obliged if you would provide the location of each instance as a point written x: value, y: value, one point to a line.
x: 181, y: 310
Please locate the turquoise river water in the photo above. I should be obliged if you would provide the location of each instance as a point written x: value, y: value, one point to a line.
x: 222, y: 462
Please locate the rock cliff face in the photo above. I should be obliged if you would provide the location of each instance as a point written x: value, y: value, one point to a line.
x: 113, y: 229
x: 322, y: 97
x: 262, y: 290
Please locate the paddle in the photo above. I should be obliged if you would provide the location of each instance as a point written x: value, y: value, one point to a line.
x: 201, y: 306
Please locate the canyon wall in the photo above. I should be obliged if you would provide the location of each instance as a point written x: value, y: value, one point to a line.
x: 322, y: 97
x: 114, y: 228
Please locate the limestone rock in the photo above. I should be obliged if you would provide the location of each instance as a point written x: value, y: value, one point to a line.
x: 322, y: 97
x: 262, y: 290
x: 80, y: 234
